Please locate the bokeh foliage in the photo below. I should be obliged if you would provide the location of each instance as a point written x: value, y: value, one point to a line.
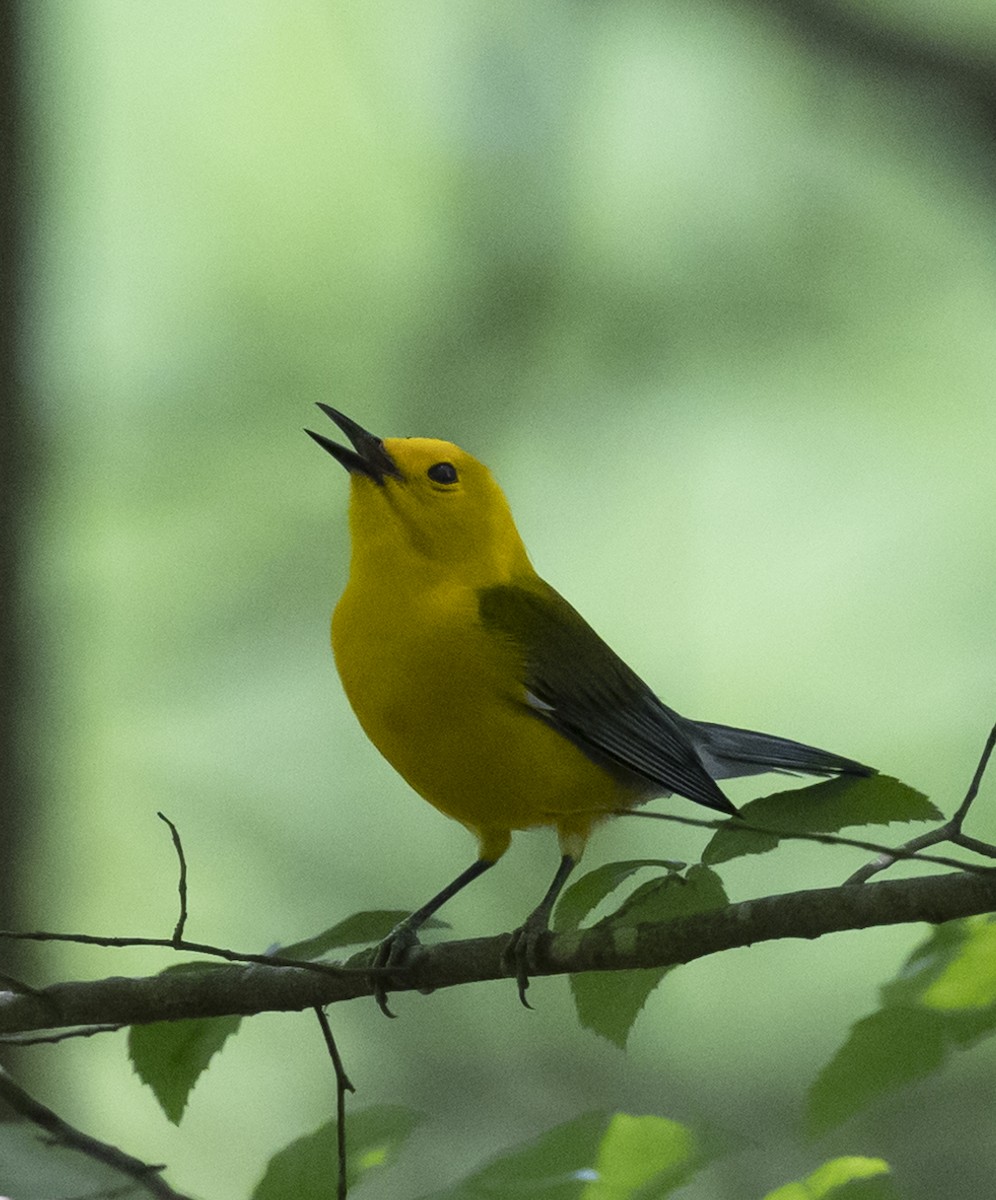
x: 717, y: 302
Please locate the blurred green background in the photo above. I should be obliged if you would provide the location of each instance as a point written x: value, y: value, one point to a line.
x: 712, y: 289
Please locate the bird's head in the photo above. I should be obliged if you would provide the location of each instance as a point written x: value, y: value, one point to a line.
x: 426, y: 505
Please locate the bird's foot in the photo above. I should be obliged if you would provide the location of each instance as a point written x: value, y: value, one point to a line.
x: 523, y: 955
x: 392, y: 952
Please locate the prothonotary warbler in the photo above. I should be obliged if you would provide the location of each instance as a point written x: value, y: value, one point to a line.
x: 488, y: 692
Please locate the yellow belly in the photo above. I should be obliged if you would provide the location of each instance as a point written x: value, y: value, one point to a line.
x: 446, y: 707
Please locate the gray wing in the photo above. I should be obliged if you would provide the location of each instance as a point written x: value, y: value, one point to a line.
x: 585, y: 691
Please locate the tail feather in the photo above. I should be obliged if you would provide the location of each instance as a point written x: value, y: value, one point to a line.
x: 727, y: 753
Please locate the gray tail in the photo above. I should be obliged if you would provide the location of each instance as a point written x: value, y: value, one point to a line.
x: 727, y: 753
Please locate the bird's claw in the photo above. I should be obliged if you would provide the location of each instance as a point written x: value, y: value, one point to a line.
x: 522, y: 957
x: 392, y: 952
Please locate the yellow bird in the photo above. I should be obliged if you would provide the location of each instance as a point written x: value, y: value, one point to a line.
x: 488, y: 692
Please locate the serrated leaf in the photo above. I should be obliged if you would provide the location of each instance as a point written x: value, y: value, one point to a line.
x: 170, y: 1056
x: 851, y: 1178
x: 608, y: 1002
x: 883, y: 1052
x: 307, y: 1168
x: 357, y: 930
x: 598, y: 1156
x: 825, y: 807
x: 583, y: 896
x: 699, y: 890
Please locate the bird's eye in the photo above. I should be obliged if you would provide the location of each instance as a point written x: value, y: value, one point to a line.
x: 443, y: 472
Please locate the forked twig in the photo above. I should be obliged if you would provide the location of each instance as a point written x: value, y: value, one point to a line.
x: 342, y: 1086
x: 950, y: 831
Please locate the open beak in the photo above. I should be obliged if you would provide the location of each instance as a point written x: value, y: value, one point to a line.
x: 368, y: 456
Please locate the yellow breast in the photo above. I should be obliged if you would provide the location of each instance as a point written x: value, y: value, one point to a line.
x: 441, y: 698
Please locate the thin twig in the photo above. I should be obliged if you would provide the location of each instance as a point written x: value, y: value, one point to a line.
x: 973, y: 788
x: 66, y: 1135
x: 830, y: 839
x: 182, y: 884
x: 342, y: 1086
x: 950, y: 831
x: 912, y: 850
x: 85, y: 1032
x: 267, y: 960
x: 836, y: 839
x: 971, y: 843
x: 9, y: 984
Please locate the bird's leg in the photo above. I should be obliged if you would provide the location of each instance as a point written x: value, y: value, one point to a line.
x: 520, y: 955
x: 394, y: 949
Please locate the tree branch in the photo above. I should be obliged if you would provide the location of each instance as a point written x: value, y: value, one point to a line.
x: 64, y: 1134
x: 250, y: 989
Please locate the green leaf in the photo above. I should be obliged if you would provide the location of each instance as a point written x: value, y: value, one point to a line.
x: 825, y: 807
x: 598, y: 1156
x: 953, y: 970
x: 943, y: 999
x: 667, y: 897
x: 642, y: 1154
x: 171, y: 1055
x: 591, y: 889
x: 853, y: 1178
x: 953, y: 973
x: 883, y: 1052
x: 608, y: 1002
x: 307, y: 1168
x: 554, y: 1166
x: 360, y: 928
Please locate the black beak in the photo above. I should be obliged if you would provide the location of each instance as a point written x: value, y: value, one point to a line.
x: 370, y: 458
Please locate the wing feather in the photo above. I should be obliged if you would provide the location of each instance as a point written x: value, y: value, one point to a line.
x: 574, y: 682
